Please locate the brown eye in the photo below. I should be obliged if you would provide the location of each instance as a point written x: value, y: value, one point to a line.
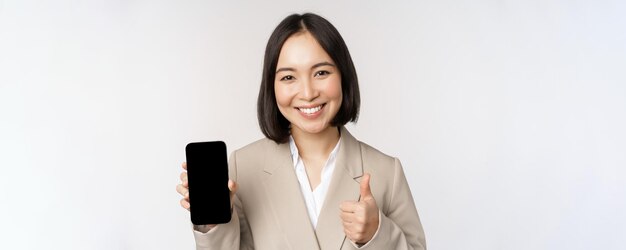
x: 287, y: 78
x: 322, y: 73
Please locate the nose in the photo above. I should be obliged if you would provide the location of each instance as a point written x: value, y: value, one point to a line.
x: 308, y: 92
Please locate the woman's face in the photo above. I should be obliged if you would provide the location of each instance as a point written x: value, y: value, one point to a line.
x: 307, y: 84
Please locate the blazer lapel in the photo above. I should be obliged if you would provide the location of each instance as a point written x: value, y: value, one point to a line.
x: 284, y: 195
x: 343, y: 186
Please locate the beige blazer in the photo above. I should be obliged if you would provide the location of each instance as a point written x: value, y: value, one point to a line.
x: 270, y: 212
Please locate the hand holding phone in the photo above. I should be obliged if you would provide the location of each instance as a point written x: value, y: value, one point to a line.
x: 207, y: 183
x: 183, y: 189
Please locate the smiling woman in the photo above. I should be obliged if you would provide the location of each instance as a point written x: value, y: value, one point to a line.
x: 307, y: 85
x: 310, y: 184
x: 306, y: 44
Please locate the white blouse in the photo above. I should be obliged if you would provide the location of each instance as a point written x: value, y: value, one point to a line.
x: 314, y: 199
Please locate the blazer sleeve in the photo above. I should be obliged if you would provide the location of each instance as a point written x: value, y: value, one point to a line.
x: 233, y: 235
x: 400, y: 227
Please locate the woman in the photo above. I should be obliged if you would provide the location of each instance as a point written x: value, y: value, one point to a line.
x: 310, y: 184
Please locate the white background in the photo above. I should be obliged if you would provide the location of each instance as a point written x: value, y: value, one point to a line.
x: 508, y: 116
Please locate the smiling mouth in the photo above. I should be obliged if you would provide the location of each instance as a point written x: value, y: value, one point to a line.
x: 313, y: 110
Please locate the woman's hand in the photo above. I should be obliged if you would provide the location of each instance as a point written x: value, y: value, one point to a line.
x: 183, y: 189
x: 360, y: 218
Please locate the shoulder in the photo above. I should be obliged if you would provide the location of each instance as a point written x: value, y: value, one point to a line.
x: 256, y: 151
x: 262, y: 144
x: 370, y: 153
x: 261, y: 155
x: 379, y: 164
x: 362, y: 158
x: 355, y: 147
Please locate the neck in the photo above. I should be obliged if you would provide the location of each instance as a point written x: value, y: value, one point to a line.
x: 316, y: 145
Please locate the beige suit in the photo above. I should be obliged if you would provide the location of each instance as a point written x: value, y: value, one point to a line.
x: 270, y: 212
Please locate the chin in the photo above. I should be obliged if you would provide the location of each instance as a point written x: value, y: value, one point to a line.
x: 315, y: 129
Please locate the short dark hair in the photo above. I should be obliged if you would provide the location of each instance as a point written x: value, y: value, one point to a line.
x: 273, y: 124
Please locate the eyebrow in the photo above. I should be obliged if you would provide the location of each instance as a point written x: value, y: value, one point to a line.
x: 312, y: 67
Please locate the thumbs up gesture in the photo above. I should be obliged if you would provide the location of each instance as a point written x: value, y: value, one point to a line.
x: 360, y: 218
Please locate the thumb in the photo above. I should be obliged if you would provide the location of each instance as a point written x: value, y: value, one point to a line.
x: 366, y: 192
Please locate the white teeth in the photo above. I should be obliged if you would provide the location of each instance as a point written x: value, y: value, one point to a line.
x: 311, y: 110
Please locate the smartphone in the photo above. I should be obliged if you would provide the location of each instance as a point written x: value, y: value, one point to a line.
x: 207, y: 175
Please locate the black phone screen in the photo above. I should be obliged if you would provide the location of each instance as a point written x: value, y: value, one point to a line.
x: 207, y: 174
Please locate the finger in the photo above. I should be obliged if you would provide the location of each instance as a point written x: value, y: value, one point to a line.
x: 366, y: 192
x: 346, y: 217
x: 183, y: 176
x: 185, y: 165
x: 181, y: 190
x: 185, y: 204
x: 232, y: 186
x: 348, y: 206
x: 346, y: 225
x: 185, y: 184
